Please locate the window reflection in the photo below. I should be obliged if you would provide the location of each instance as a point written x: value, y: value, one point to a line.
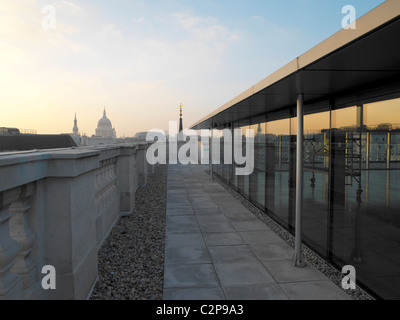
x: 257, y: 178
x: 279, y: 160
x: 351, y: 185
x: 365, y: 219
x: 316, y: 179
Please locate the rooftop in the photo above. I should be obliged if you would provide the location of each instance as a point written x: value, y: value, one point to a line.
x: 217, y: 249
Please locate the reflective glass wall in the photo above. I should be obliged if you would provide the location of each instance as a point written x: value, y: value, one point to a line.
x: 351, y: 185
x: 316, y: 179
x: 365, y: 211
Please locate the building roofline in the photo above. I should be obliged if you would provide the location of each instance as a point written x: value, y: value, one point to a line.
x: 382, y: 14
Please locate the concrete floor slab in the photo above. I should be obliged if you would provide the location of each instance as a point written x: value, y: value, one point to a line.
x: 180, y: 206
x: 253, y: 225
x: 182, y: 224
x: 207, y: 211
x: 272, y: 251
x: 201, y: 199
x: 214, y: 223
x: 194, y: 294
x: 270, y: 291
x: 216, y: 248
x: 242, y: 273
x: 260, y: 236
x: 184, y: 240
x: 239, y: 216
x: 231, y: 253
x: 284, y: 271
x: 235, y: 208
x: 187, y: 254
x: 223, y: 239
x: 190, y: 275
x: 204, y: 205
x: 314, y: 290
x: 215, y: 226
x: 179, y: 211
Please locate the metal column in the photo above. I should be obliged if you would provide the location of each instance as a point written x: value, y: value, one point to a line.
x: 388, y: 140
x: 210, y: 149
x: 298, y: 256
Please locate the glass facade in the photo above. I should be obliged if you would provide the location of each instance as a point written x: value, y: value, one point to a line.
x: 351, y: 213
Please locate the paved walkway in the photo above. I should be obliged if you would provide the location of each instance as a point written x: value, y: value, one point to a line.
x: 216, y: 249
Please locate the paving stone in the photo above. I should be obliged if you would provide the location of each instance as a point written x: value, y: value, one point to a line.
x: 190, y: 275
x: 182, y: 224
x: 263, y: 291
x: 194, y: 294
x: 263, y: 236
x: 284, y: 271
x: 231, y: 253
x: 272, y: 251
x: 223, y: 239
x: 242, y: 273
x: 314, y: 290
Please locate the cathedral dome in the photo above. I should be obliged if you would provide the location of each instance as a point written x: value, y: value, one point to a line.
x: 104, y: 127
x: 104, y: 123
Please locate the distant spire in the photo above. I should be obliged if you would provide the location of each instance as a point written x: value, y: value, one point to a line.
x: 104, y: 113
x: 75, y: 130
x: 180, y: 119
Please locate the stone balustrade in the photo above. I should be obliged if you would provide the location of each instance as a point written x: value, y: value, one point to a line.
x: 56, y: 208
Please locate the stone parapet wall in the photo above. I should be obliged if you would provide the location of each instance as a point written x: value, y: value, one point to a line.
x: 56, y: 208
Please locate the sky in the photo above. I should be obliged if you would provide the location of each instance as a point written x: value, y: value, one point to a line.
x: 140, y: 59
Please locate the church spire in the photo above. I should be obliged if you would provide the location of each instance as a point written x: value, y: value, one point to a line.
x: 180, y: 119
x: 75, y: 130
x: 104, y: 113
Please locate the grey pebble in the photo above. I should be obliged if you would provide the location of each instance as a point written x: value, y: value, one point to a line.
x: 131, y: 260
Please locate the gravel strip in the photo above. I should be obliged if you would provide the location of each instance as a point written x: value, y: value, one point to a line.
x: 309, y: 255
x: 131, y: 260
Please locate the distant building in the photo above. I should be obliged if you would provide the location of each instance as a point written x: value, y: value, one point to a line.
x: 105, y: 133
x: 22, y: 142
x: 9, y: 131
x: 142, y: 136
x: 75, y: 133
x: 104, y: 127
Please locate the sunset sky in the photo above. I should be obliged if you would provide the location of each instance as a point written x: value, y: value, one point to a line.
x: 141, y: 58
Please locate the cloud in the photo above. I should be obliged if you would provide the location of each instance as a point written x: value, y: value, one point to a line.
x: 71, y: 7
x: 185, y: 21
x: 79, y: 48
x: 12, y: 56
x: 204, y: 27
x: 138, y: 19
x: 139, y: 65
x: 110, y: 30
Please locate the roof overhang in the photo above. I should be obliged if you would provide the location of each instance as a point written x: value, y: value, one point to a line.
x: 352, y: 58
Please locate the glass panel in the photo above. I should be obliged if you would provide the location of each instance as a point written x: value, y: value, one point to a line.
x: 343, y: 208
x: 244, y: 180
x: 234, y: 176
x: 241, y: 181
x: 220, y: 155
x: 257, y: 178
x: 226, y: 163
x: 366, y: 194
x: 316, y: 179
x: 213, y: 162
x: 278, y: 161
